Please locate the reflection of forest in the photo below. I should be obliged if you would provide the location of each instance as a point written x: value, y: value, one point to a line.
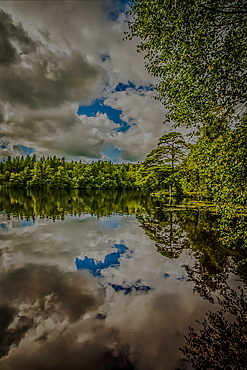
x: 173, y: 229
x: 56, y: 204
x: 164, y: 228
x: 176, y: 229
x: 221, y: 343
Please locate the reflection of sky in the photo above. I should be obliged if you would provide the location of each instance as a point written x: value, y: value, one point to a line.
x: 111, y: 260
x: 63, y: 312
x: 128, y: 289
x: 24, y: 223
x: 110, y: 223
x: 5, y: 227
x: 95, y: 267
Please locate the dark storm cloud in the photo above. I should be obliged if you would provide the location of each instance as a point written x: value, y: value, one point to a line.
x: 68, y: 294
x: 53, y: 79
x: 42, y: 82
x: 63, y: 54
x: 1, y: 112
x: 58, y: 130
x: 40, y: 76
x: 67, y: 353
x: 10, y: 33
x: 13, y: 336
x: 45, y: 294
x: 89, y: 356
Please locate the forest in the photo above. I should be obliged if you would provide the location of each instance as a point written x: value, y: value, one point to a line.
x: 57, y: 173
x: 198, y: 52
x: 161, y: 170
x: 212, y: 169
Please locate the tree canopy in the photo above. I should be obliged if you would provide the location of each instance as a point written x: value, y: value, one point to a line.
x: 171, y: 149
x: 198, y: 50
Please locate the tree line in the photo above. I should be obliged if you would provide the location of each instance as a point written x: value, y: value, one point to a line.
x: 163, y: 169
x: 212, y: 168
x: 159, y: 171
x: 57, y: 173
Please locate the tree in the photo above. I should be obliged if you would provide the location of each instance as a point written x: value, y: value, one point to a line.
x: 216, y: 168
x: 169, y: 153
x: 198, y: 50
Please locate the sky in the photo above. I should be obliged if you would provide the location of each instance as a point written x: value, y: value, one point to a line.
x: 71, y: 86
x: 65, y: 315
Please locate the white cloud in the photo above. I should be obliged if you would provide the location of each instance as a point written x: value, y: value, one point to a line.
x: 64, y: 68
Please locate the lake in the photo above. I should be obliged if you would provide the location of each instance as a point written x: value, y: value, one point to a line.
x: 109, y: 280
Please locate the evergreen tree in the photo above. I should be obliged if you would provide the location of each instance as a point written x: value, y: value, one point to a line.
x: 171, y: 150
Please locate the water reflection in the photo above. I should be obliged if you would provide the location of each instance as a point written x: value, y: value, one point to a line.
x: 91, y: 291
x: 57, y: 204
x: 110, y: 260
x: 176, y: 229
x: 222, y: 340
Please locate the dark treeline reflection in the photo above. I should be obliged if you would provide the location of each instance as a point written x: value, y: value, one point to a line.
x: 173, y: 228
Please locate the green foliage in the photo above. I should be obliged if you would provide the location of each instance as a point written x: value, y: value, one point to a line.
x: 56, y: 173
x: 198, y: 50
x: 216, y: 168
x: 221, y: 343
x: 162, y: 162
x: 170, y: 150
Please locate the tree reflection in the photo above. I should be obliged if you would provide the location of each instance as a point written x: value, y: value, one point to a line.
x: 119, y: 361
x: 174, y: 229
x: 57, y: 204
x: 164, y: 228
x: 222, y: 340
x: 205, y: 283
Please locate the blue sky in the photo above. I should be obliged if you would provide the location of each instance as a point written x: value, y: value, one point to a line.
x: 119, y: 6
x: 19, y: 149
x: 98, y: 106
x: 25, y: 150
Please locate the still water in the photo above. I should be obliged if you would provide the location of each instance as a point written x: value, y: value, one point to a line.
x: 116, y: 280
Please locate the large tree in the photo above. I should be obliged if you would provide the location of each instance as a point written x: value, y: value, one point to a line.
x: 164, y: 159
x: 171, y: 149
x: 198, y: 50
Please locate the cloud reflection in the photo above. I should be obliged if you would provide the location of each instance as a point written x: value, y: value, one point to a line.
x: 58, y: 317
